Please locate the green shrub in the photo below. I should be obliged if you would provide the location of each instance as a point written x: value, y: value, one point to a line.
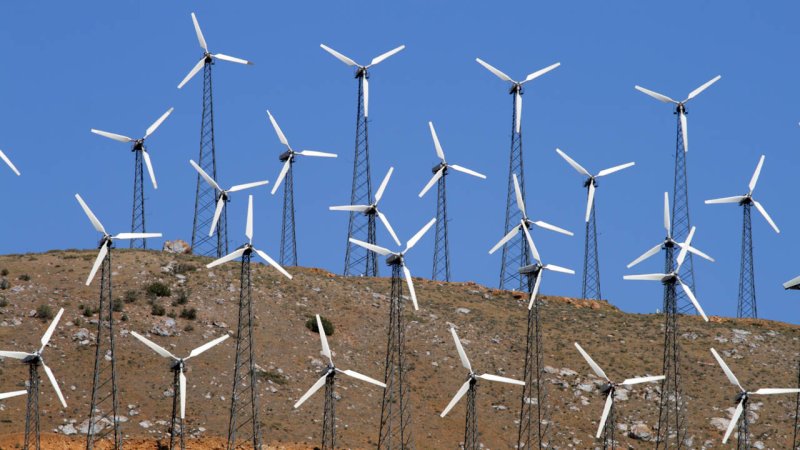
x: 190, y: 313
x: 124, y: 318
x: 172, y: 314
x: 25, y: 277
x: 188, y: 327
x: 3, y: 302
x: 117, y: 305
x: 88, y: 311
x: 4, y: 272
x: 182, y: 268
x: 4, y: 284
x: 183, y: 298
x: 158, y: 289
x: 157, y: 310
x: 131, y: 296
x: 44, y: 312
x: 311, y: 324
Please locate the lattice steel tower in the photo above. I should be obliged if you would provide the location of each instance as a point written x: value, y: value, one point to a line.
x: 514, y: 251
x: 205, y: 196
x: 358, y: 261
x: 590, y: 287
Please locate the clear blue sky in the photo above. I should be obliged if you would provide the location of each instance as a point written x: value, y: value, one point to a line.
x: 71, y: 67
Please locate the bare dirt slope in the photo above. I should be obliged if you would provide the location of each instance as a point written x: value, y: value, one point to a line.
x: 491, y: 324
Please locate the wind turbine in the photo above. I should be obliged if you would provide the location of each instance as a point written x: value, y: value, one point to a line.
x: 395, y: 410
x: 747, y: 289
x: 371, y: 211
x: 178, y: 384
x: 206, y: 197
x: 288, y: 243
x: 329, y: 379
x: 9, y: 164
x: 34, y: 360
x: 742, y: 403
x: 244, y: 407
x: 515, y: 252
x: 681, y: 223
x: 470, y: 388
x: 608, y: 424
x: 104, y: 389
x: 591, y: 264
x: 223, y: 195
x: 441, y: 248
x: 357, y: 261
x: 142, y: 156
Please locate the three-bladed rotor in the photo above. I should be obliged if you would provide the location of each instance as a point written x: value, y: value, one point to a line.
x: 441, y: 169
x: 372, y: 209
x: 208, y: 57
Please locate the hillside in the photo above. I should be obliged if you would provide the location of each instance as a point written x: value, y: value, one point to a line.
x: 491, y: 324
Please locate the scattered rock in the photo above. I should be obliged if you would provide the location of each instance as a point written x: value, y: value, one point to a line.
x: 641, y: 432
x: 721, y: 424
x: 177, y: 246
x: 463, y: 310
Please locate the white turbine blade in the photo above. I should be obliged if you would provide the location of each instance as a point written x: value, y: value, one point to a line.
x: 340, y: 57
x: 153, y: 346
x: 92, y: 218
x: 604, y: 417
x: 205, y: 176
x: 199, y: 33
x: 766, y: 216
x: 413, y: 241
x: 535, y: 290
x: 756, y: 173
x: 531, y: 244
x: 101, y: 255
x: 232, y: 59
x: 389, y: 228
x: 282, y: 175
x: 540, y: 72
x: 281, y: 136
x: 354, y: 208
x: 461, y: 391
x: 193, y: 72
x: 793, y: 282
x: 490, y: 377
x: 555, y: 268
x: 318, y: 154
x: 645, y: 255
x: 547, y: 226
x: 365, y: 81
x: 518, y: 193
x: 728, y: 373
x: 595, y: 367
x: 137, y: 235
x: 734, y: 421
x: 362, y: 377
x: 202, y: 349
x: 217, y: 213
x: 639, y: 380
x: 611, y: 170
x: 698, y: 253
x: 382, y: 187
x: 655, y: 95
x: 6, y: 395
x: 646, y: 277
x: 372, y: 247
x: 734, y: 199
x: 49, y: 333
x: 667, y: 221
x: 461, y: 353
x: 241, y: 187
x: 152, y: 128
x: 14, y: 355
x: 229, y: 257
x: 150, y: 168
x: 182, y: 388
x: 54, y: 383
x: 685, y: 247
x: 702, y: 88
x: 436, y: 144
x: 326, y: 350
x: 467, y: 171
x: 411, y: 291
x: 505, y: 239
x: 377, y: 60
x: 492, y: 69
x: 573, y: 163
x: 772, y: 391
x: 248, y: 230
x: 114, y: 136
x: 590, y: 200
x: 684, y: 130
x: 9, y: 163
x: 314, y: 388
x: 273, y: 263
x: 517, y: 111
x: 432, y: 181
